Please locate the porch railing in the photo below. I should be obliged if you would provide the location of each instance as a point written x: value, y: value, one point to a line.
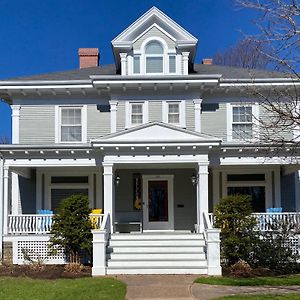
x: 40, y: 223
x: 266, y: 221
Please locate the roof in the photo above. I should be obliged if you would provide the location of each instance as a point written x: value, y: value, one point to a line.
x: 199, y: 69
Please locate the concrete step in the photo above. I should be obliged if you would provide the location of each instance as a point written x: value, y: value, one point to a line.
x: 157, y: 249
x: 153, y: 242
x: 156, y: 264
x: 156, y: 256
x: 155, y: 236
x: 202, y: 270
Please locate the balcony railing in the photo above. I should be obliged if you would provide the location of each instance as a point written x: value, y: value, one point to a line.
x: 40, y: 224
x: 267, y: 221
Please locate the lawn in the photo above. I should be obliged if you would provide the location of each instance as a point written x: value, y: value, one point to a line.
x: 84, y: 288
x: 262, y: 297
x: 282, y: 280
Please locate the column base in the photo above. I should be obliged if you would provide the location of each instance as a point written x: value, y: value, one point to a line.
x: 214, y: 271
x: 98, y: 271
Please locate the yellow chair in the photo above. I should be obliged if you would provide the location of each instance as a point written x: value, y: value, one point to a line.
x: 94, y: 219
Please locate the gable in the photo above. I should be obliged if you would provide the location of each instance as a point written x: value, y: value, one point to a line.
x: 154, y: 31
x: 158, y: 133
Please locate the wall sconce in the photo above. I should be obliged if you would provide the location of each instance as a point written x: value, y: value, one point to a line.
x: 194, y: 179
x: 117, y: 180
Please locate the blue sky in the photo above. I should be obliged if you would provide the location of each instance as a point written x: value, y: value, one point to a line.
x: 43, y: 36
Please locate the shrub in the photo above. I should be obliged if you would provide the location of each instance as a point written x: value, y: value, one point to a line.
x: 233, y: 217
x: 241, y: 269
x: 71, y: 228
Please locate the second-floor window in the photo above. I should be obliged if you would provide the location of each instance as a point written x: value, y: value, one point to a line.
x: 71, y: 124
x: 242, y: 123
x: 173, y: 113
x: 136, y: 113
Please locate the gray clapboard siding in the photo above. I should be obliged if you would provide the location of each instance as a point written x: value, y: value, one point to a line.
x: 121, y: 116
x: 98, y: 122
x: 155, y: 111
x: 213, y: 120
x: 153, y: 32
x: 37, y: 124
x: 190, y: 115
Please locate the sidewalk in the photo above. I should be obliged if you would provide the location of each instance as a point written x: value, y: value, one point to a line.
x: 181, y: 287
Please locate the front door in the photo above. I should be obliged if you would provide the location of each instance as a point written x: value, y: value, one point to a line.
x: 158, y: 202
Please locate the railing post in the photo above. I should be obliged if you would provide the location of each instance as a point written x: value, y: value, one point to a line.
x: 213, y: 252
x: 99, y: 252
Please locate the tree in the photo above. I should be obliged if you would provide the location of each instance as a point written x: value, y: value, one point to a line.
x: 245, y: 54
x: 278, y: 42
x: 71, y: 228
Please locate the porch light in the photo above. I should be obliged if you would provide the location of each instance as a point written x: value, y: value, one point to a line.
x: 117, y: 180
x: 194, y: 179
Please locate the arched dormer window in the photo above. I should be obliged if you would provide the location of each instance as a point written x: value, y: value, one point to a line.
x: 154, y: 56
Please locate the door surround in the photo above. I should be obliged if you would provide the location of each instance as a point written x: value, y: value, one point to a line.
x: 158, y: 226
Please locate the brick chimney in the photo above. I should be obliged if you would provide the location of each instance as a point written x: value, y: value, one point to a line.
x: 207, y: 61
x: 88, y: 57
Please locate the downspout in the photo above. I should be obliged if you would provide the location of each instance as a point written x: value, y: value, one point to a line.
x: 1, y: 204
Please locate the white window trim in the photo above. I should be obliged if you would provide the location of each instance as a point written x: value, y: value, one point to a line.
x: 255, y: 121
x: 58, y: 123
x: 166, y: 54
x: 165, y: 112
x: 145, y: 105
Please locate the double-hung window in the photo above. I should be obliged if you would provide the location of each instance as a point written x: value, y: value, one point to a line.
x: 154, y: 56
x: 136, y: 115
x: 71, y: 124
x: 173, y: 113
x: 242, y: 122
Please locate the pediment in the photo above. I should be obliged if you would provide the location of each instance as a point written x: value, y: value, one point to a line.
x: 156, y: 133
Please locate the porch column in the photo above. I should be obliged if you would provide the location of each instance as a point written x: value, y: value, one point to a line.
x: 15, y: 193
x: 1, y: 206
x: 197, y: 109
x: 108, y: 192
x: 202, y: 194
x: 5, y: 199
x: 113, y: 115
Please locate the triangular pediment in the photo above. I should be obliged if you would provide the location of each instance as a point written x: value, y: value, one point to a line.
x: 158, y: 133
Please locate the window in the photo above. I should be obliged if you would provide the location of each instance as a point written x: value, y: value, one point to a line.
x: 136, y: 113
x: 154, y: 55
x: 242, y: 122
x: 136, y: 64
x: 173, y: 113
x: 70, y: 122
x: 172, y: 64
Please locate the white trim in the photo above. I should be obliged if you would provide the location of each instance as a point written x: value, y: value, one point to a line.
x: 147, y: 225
x: 197, y: 111
x: 145, y: 111
x: 123, y: 58
x: 5, y: 198
x: 15, y: 123
x: 58, y: 123
x: 255, y: 120
x: 113, y: 115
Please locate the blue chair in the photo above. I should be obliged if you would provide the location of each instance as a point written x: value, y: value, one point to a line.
x: 44, y: 222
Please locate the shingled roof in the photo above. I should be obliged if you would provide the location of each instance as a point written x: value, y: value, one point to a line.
x: 199, y: 69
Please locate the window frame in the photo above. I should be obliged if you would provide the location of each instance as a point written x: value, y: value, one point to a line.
x: 128, y: 113
x: 58, y: 123
x: 165, y: 112
x: 254, y: 121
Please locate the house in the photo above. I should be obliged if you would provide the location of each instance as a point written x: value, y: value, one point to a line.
x: 155, y: 140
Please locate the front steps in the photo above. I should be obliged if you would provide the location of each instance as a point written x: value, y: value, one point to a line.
x: 156, y: 253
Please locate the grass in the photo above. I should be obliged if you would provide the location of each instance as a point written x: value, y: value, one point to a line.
x: 274, y: 281
x: 262, y: 297
x: 61, y: 289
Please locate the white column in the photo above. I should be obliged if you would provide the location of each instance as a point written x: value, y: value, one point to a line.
x: 197, y: 110
x: 5, y: 199
x: 1, y: 206
x: 213, y: 252
x: 113, y: 115
x: 15, y: 194
x: 123, y: 57
x: 202, y: 194
x: 108, y: 192
x: 185, y: 63
x: 99, y: 252
x: 15, y: 123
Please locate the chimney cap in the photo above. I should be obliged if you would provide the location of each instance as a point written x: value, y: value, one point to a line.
x: 207, y: 61
x: 88, y: 51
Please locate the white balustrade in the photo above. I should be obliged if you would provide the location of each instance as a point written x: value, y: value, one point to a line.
x: 40, y: 223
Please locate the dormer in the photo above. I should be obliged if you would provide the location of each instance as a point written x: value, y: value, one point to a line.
x: 154, y: 45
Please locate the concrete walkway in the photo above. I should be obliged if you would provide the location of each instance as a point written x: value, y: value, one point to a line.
x: 181, y: 287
